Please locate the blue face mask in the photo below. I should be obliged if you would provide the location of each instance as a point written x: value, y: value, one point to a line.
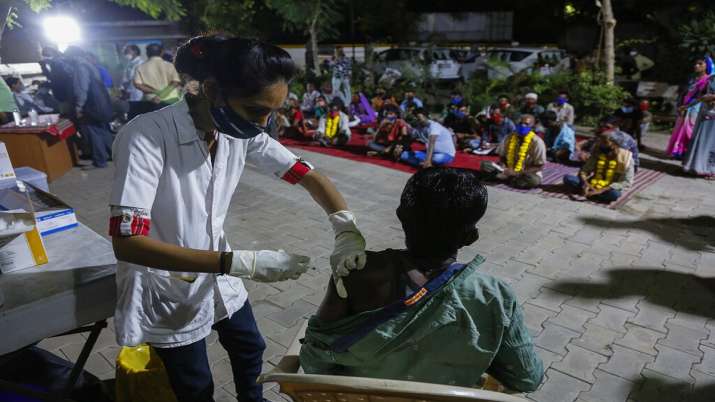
x: 627, y: 109
x: 561, y: 100
x: 458, y: 114
x: 523, y: 129
x: 456, y: 100
x: 231, y: 123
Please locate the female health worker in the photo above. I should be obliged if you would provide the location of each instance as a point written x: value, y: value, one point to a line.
x: 176, y: 171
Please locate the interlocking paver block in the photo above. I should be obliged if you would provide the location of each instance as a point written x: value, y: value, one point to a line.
x: 607, y: 388
x: 559, y: 387
x: 626, y: 363
x: 572, y: 318
x: 640, y: 339
x: 550, y: 299
x: 707, y: 365
x: 684, y: 339
x: 555, y: 338
x: 547, y: 357
x: 580, y: 363
x: 597, y: 339
x: 673, y: 363
x: 612, y: 318
x: 534, y: 316
x: 655, y: 387
x: 293, y: 314
x: 652, y: 316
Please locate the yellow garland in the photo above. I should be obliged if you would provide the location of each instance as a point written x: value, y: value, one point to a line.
x: 599, y: 180
x: 331, y: 126
x: 512, y: 162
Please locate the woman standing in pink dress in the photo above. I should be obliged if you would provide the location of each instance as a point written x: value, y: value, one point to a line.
x: 688, y: 109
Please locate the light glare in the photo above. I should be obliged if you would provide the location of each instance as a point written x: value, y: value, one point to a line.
x: 62, y: 30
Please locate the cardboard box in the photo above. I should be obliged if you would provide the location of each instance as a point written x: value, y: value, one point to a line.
x: 21, y: 250
x: 52, y: 214
x: 7, y: 173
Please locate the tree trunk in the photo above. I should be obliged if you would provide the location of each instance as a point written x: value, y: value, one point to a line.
x: 609, y: 27
x: 313, y: 37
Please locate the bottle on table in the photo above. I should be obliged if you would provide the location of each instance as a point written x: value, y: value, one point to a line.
x: 17, y: 117
x: 34, y: 117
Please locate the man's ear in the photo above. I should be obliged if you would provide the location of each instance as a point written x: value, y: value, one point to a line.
x: 471, y: 236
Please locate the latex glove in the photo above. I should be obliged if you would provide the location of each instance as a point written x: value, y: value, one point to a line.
x: 349, y: 252
x: 268, y: 265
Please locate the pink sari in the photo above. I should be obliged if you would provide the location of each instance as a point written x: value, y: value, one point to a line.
x: 683, y: 130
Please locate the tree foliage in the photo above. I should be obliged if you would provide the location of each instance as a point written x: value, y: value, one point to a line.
x: 698, y: 35
x: 298, y: 15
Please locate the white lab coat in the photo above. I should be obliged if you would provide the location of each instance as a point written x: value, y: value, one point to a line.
x: 163, y: 166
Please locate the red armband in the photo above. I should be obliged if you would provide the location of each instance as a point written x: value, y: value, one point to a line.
x: 129, y: 223
x: 296, y: 173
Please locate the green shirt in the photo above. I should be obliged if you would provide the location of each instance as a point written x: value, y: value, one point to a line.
x: 7, y: 100
x: 470, y: 326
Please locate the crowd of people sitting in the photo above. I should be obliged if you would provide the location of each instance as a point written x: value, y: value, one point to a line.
x: 522, y: 133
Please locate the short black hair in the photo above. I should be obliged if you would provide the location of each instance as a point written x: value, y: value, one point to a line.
x: 610, y: 120
x: 565, y: 92
x: 438, y: 210
x: 10, y: 81
x: 132, y: 48
x: 420, y: 110
x: 548, y: 116
x: 390, y: 108
x: 337, y: 102
x: 154, y: 49
x: 244, y: 67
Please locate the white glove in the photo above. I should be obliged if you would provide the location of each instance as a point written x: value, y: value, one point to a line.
x: 349, y: 253
x: 268, y: 265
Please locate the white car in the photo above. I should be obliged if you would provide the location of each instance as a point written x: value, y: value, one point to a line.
x: 505, y: 62
x: 414, y: 61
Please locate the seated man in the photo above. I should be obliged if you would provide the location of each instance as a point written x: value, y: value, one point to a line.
x: 463, y: 124
x: 417, y: 315
x: 559, y: 137
x: 410, y: 102
x: 392, y: 135
x: 334, y: 128
x: 440, y: 144
x: 310, y: 96
x: 531, y: 106
x: 500, y: 127
x: 608, y: 172
x: 523, y: 156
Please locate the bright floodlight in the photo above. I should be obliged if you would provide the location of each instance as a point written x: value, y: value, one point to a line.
x: 61, y: 30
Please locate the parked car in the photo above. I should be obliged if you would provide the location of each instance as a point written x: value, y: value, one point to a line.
x: 505, y: 62
x: 412, y: 61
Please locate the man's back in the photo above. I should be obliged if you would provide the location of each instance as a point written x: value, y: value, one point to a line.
x: 472, y: 324
x: 156, y: 73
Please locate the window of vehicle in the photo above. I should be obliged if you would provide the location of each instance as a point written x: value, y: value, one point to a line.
x: 517, y: 56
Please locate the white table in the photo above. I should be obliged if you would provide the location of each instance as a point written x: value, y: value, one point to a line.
x: 74, y: 289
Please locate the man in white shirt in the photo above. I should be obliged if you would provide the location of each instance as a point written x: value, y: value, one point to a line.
x: 565, y: 112
x: 157, y: 78
x: 440, y: 144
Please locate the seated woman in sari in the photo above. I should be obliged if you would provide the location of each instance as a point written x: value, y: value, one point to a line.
x: 416, y: 314
x: 688, y: 109
x: 361, y: 109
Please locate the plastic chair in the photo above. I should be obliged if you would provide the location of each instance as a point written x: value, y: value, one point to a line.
x: 331, y: 388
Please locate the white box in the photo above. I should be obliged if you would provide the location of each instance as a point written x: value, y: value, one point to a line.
x: 52, y: 214
x: 7, y: 173
x: 22, y: 250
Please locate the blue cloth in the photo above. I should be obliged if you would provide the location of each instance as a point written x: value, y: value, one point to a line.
x: 99, y: 140
x: 415, y: 158
x: 374, y: 146
x: 188, y: 366
x: 565, y: 140
x: 625, y: 141
x: 106, y: 77
x: 575, y: 183
x: 416, y: 102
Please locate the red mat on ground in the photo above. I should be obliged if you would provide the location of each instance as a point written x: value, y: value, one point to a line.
x: 356, y: 148
x: 551, y: 185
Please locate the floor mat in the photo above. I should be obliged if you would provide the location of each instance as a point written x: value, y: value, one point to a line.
x: 551, y: 186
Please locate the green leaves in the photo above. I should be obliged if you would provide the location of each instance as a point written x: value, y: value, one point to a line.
x: 698, y: 35
x: 171, y: 10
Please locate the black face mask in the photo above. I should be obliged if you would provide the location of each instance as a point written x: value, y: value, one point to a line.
x: 605, y: 149
x: 229, y: 122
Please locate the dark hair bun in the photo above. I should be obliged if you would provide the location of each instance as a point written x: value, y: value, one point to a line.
x: 242, y: 67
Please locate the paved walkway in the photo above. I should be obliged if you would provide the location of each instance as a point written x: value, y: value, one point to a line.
x: 620, y: 302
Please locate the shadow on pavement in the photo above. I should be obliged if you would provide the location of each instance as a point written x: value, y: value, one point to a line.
x: 687, y: 293
x: 695, y: 233
x: 655, y: 389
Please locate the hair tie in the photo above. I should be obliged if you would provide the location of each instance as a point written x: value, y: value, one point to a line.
x: 197, y: 49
